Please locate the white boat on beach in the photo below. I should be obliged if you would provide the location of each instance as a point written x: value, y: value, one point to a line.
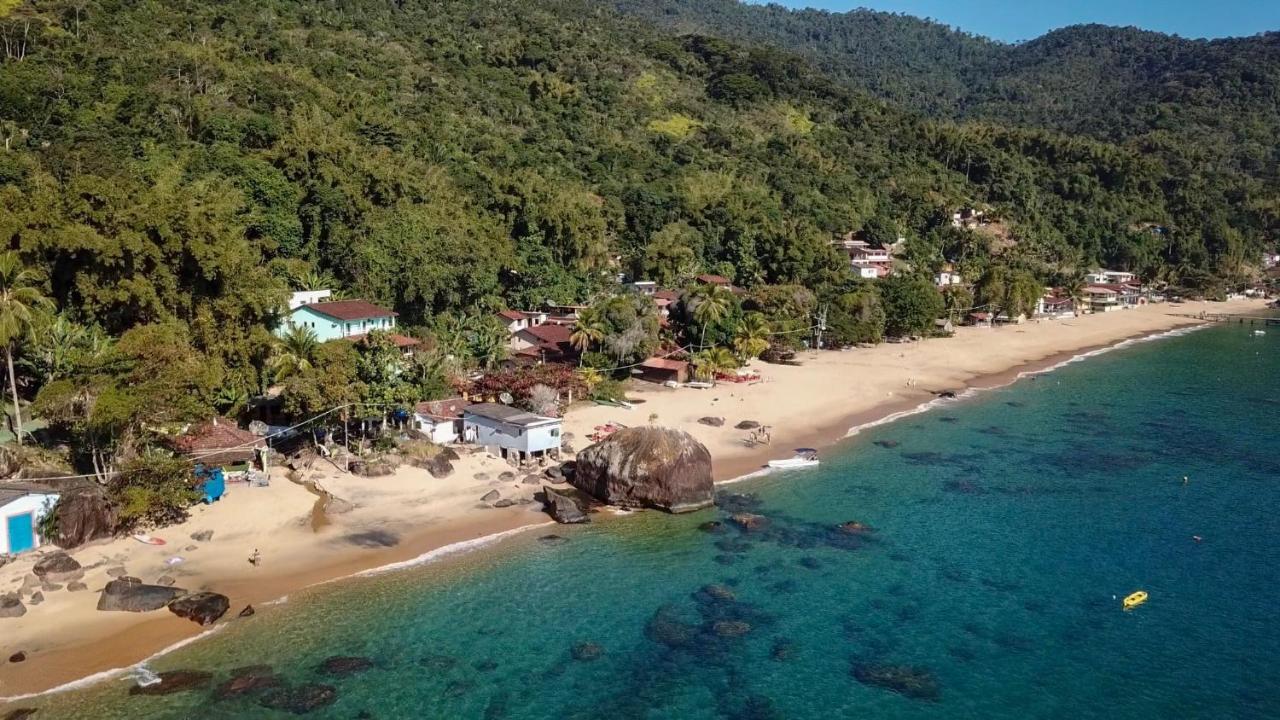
x: 805, y: 457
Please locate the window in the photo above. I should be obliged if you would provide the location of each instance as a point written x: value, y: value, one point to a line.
x: 555, y: 432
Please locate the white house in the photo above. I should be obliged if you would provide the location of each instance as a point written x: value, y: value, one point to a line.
x: 511, y: 432
x: 643, y: 287
x: 339, y: 319
x: 308, y: 297
x: 1109, y: 277
x: 22, y: 507
x: 440, y: 420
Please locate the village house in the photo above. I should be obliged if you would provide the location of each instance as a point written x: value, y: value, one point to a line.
x: 947, y: 277
x: 1110, y: 277
x: 219, y: 444
x: 968, y: 218
x: 339, y: 319
x: 308, y: 297
x: 545, y: 343
x: 643, y: 287
x: 511, y: 432
x: 868, y: 261
x: 440, y: 420
x: 22, y: 508
x: 1111, y: 297
x: 1054, y: 304
x: 663, y: 370
x: 517, y: 320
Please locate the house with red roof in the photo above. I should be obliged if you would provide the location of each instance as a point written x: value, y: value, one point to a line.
x: 338, y: 319
x: 440, y: 420
x: 220, y: 443
x: 663, y: 370
x: 544, y: 343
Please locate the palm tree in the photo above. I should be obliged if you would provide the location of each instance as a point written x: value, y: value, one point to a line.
x: 710, y: 303
x: 711, y: 361
x: 1073, y: 288
x: 317, y: 280
x: 295, y: 353
x: 19, y: 301
x: 752, y: 337
x: 590, y: 377
x: 588, y: 330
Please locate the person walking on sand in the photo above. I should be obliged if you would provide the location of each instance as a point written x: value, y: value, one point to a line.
x: 255, y: 558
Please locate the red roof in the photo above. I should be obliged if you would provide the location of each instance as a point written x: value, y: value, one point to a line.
x: 511, y: 315
x: 549, y: 333
x: 350, y: 309
x: 714, y: 280
x: 656, y: 363
x: 668, y: 295
x: 216, y: 435
x: 450, y: 409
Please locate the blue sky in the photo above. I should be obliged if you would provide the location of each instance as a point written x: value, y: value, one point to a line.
x: 1014, y: 20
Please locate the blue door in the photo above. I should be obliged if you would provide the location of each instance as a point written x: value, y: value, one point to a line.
x: 22, y: 533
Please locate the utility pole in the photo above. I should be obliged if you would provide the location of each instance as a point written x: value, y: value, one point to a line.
x: 820, y: 327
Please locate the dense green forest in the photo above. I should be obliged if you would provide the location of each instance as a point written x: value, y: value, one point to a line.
x: 1204, y: 107
x: 171, y: 170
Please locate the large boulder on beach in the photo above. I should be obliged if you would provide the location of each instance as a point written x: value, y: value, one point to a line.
x: 83, y: 514
x: 130, y: 595
x: 11, y: 606
x: 562, y: 508
x: 647, y: 467
x: 57, y: 567
x: 202, y: 608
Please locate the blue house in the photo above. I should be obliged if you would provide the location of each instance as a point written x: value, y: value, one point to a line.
x: 339, y: 319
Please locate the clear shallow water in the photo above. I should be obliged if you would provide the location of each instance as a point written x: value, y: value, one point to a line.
x: 1007, y: 527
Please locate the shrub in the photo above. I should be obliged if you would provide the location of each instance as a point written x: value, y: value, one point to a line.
x: 153, y: 489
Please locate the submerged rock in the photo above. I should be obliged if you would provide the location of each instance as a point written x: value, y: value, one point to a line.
x: 731, y: 628
x: 245, y: 680
x: 438, y: 662
x: 21, y: 713
x: 913, y: 682
x: 342, y: 665
x: 586, y: 651
x: 301, y: 699
x: 202, y: 608
x: 647, y: 467
x: 749, y: 521
x: 890, y: 444
x: 248, y: 611
x: 174, y: 681
x: 562, y: 508
x: 712, y: 526
x: 855, y: 528
x: 128, y: 594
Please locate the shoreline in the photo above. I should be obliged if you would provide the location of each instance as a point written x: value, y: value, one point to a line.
x: 141, y: 638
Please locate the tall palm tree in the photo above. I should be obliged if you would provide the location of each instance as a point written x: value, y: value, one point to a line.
x: 710, y: 303
x: 588, y: 330
x: 19, y: 301
x: 1073, y: 288
x: 752, y: 337
x: 295, y: 353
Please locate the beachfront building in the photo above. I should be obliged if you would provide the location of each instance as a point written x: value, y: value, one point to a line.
x: 339, y: 319
x: 440, y: 420
x: 1112, y: 297
x: 663, y: 370
x: 511, y: 432
x: 517, y: 320
x: 22, y: 507
x: 1055, y: 305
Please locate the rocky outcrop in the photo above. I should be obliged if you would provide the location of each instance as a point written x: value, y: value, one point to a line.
x: 562, y: 508
x: 647, y: 467
x: 747, y: 425
x: 202, y: 608
x: 246, y: 680
x: 11, y: 606
x: 83, y: 514
x: 131, y: 595
x: 711, y: 421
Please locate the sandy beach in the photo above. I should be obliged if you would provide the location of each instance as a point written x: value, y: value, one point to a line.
x: 396, y: 518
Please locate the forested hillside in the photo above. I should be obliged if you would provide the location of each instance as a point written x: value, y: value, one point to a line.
x: 192, y: 161
x: 1197, y: 103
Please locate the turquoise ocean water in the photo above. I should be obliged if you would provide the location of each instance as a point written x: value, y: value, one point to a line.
x: 1007, y: 527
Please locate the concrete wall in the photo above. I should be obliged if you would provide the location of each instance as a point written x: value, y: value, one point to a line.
x: 37, y: 504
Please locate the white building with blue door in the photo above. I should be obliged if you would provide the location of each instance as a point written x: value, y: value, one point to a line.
x: 511, y: 432
x: 22, y: 507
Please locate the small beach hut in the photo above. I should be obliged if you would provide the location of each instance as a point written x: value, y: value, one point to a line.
x: 663, y: 370
x: 219, y: 444
x: 22, y: 507
x: 511, y: 432
x: 440, y: 420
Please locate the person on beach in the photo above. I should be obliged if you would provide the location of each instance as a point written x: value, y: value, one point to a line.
x: 255, y: 558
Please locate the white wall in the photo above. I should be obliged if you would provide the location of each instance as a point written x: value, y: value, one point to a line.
x: 38, y: 504
x: 442, y: 431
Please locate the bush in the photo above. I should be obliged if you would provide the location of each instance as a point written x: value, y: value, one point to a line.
x: 609, y: 390
x: 153, y: 489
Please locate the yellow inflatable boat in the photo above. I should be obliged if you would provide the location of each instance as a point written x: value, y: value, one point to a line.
x: 1135, y: 599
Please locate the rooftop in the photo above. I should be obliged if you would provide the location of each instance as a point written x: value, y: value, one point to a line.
x: 450, y: 409
x: 12, y: 491
x: 506, y: 414
x: 511, y: 315
x: 714, y: 280
x: 400, y: 341
x: 350, y: 309
x: 656, y: 363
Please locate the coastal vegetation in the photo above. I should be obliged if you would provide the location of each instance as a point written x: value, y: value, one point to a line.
x: 170, y: 172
